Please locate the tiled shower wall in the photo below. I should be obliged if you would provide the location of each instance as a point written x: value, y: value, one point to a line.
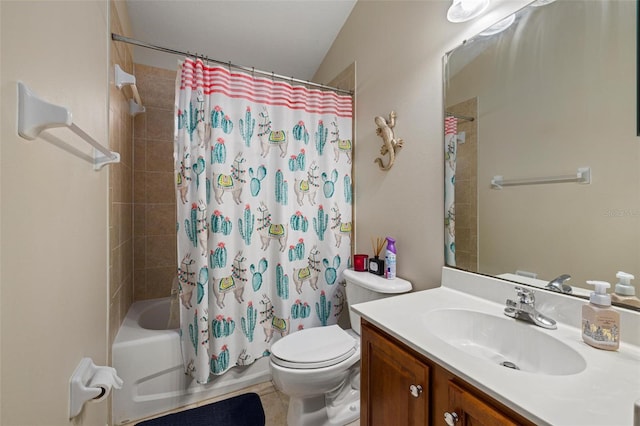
x: 154, y: 210
x: 120, y: 180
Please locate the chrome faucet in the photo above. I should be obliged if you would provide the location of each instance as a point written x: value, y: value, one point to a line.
x: 524, y: 309
x: 558, y: 284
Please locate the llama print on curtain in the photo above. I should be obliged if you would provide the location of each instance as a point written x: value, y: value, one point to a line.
x: 450, y: 152
x: 264, y: 191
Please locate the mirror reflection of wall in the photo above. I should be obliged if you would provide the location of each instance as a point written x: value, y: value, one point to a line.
x: 555, y: 91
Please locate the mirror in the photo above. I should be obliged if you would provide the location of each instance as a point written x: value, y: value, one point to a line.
x: 536, y: 102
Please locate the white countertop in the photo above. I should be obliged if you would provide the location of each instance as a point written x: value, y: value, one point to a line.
x: 602, y: 394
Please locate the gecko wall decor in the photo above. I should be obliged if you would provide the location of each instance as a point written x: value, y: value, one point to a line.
x: 391, y: 144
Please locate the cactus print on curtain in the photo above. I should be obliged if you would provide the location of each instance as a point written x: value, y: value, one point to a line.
x: 450, y: 153
x: 264, y: 184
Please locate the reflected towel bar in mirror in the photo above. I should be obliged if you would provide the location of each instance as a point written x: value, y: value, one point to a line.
x: 582, y: 176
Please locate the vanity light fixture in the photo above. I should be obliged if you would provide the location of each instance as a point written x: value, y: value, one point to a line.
x: 539, y: 3
x: 500, y: 26
x: 465, y: 10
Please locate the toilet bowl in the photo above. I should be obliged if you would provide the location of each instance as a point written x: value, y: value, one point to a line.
x: 316, y: 368
x: 319, y: 368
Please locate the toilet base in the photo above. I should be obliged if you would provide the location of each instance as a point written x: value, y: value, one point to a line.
x: 337, y: 408
x: 307, y: 412
x: 316, y: 412
x: 343, y: 406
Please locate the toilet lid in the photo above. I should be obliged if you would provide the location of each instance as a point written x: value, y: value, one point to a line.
x: 314, y: 348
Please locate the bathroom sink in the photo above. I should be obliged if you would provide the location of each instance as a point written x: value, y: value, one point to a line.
x: 504, y: 341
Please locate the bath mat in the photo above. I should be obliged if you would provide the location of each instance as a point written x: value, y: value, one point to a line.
x: 241, y: 410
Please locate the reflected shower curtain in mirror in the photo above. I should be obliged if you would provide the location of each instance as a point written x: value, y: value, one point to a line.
x: 264, y: 192
x: 450, y: 150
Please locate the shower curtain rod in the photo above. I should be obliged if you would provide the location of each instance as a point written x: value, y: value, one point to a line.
x: 459, y: 117
x: 117, y: 37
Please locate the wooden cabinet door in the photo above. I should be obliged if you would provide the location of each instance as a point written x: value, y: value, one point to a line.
x: 388, y: 373
x: 473, y: 411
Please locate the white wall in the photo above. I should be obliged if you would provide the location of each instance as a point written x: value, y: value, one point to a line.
x: 398, y: 48
x: 53, y: 262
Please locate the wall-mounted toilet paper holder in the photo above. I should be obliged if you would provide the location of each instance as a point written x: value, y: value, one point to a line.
x: 90, y: 383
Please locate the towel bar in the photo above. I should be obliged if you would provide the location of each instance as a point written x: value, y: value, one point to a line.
x: 125, y: 79
x: 36, y: 115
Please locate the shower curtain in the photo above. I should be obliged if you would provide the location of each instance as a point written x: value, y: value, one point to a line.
x: 450, y: 150
x: 264, y: 192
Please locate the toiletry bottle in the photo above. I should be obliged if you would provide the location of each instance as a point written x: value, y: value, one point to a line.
x: 624, y: 291
x: 390, y: 259
x: 600, y: 322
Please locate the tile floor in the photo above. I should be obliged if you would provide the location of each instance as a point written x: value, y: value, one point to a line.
x: 274, y: 402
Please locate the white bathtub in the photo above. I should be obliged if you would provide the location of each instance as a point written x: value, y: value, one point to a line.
x: 148, y: 358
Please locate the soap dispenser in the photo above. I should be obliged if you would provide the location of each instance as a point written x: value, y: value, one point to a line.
x: 624, y: 291
x: 600, y: 322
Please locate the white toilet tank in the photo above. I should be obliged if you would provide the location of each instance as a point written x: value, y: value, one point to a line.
x: 365, y: 287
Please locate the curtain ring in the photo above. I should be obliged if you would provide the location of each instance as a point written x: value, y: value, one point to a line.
x: 229, y: 65
x: 272, y: 77
x: 253, y: 72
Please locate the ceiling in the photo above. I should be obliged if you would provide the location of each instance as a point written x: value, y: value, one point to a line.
x: 285, y: 37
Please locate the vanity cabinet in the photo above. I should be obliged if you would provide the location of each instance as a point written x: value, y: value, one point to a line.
x: 394, y: 384
x: 467, y: 409
x: 402, y: 387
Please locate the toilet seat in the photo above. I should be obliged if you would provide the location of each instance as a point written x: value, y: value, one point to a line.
x: 314, y: 348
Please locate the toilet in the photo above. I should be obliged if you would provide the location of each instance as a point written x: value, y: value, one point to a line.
x: 319, y: 368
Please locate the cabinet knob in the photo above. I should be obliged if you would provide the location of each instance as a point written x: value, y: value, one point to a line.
x: 451, y: 418
x: 415, y: 390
